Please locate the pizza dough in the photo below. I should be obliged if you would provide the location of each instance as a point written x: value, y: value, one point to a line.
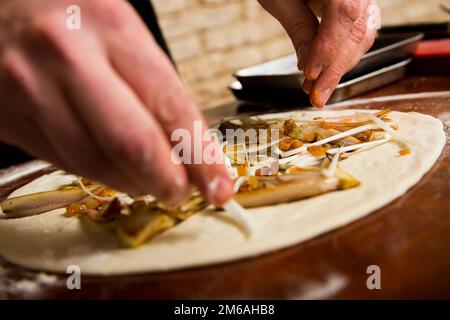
x: 52, y: 241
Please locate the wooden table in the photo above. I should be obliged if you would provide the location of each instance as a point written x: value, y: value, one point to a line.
x: 409, y: 239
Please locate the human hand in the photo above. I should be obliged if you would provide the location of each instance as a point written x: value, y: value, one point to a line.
x: 101, y: 101
x: 325, y: 51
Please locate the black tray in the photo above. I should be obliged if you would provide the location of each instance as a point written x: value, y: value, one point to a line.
x: 282, y: 73
x: 345, y: 90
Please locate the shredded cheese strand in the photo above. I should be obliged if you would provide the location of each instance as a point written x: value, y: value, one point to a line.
x: 331, y: 138
x: 238, y: 213
x: 363, y: 145
x: 92, y: 194
x: 306, y: 161
x: 383, y: 125
x: 298, y: 158
x: 294, y: 151
x: 289, y: 159
x: 232, y: 172
x: 331, y: 170
x: 259, y: 148
x: 124, y: 198
x: 261, y: 164
x: 238, y: 183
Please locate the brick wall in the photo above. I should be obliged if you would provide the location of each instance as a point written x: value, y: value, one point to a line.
x: 210, y: 39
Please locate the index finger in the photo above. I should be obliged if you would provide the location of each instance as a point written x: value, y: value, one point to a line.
x: 148, y: 71
x: 299, y: 22
x: 335, y: 30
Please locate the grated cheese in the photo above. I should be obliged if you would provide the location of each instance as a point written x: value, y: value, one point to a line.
x: 92, y: 194
x: 383, y: 125
x: 331, y: 138
x: 238, y: 213
x: 238, y: 183
x: 331, y: 170
x: 363, y: 145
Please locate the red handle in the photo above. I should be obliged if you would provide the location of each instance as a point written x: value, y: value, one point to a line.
x: 433, y: 48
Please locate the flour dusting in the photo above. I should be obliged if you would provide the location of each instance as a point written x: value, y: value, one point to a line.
x: 23, y: 284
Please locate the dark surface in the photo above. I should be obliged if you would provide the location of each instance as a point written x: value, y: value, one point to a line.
x: 10, y: 155
x: 345, y: 90
x: 409, y: 239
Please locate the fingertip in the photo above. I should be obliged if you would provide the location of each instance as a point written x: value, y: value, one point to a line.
x: 220, y: 190
x: 320, y: 97
x: 313, y: 98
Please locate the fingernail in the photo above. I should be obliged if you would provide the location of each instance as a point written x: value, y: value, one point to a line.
x: 314, y: 72
x: 319, y: 98
x: 219, y: 190
x: 307, y: 86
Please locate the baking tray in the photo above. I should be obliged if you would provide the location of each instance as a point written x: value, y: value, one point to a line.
x: 345, y: 90
x: 282, y: 73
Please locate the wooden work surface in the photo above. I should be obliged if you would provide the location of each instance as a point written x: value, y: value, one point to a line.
x: 409, y: 239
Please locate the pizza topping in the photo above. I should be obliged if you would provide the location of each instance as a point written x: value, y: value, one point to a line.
x: 318, y: 151
x: 32, y: 204
x: 346, y: 181
x: 133, y: 231
x: 329, y: 139
x: 297, y: 188
x: 405, y: 152
x: 364, y: 145
x: 238, y: 183
x: 241, y: 170
x: 289, y: 126
x: 388, y: 129
x: 253, y: 182
x: 262, y: 147
x: 323, y: 134
x: 145, y: 220
x: 327, y: 125
x: 303, y: 162
x: 303, y: 132
x: 331, y: 170
x: 75, y: 209
x: 289, y: 144
x: 239, y: 215
x: 101, y: 195
x: 295, y: 169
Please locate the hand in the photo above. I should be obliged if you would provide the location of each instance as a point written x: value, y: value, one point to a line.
x: 325, y: 51
x: 101, y: 101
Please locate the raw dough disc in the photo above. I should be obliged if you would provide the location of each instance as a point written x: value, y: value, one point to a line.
x: 53, y: 242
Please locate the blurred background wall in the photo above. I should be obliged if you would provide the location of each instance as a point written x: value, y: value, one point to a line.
x: 210, y: 39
